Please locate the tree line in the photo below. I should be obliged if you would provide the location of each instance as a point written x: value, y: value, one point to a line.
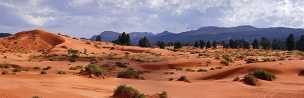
x: 290, y: 43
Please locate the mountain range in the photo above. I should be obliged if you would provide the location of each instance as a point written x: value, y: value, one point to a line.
x: 209, y: 33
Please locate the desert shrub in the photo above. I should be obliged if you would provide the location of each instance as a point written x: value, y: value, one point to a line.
x: 119, y: 64
x: 163, y: 95
x: 301, y: 73
x: 4, y: 72
x: 17, y: 69
x: 43, y: 72
x: 35, y: 97
x: 73, y: 55
x: 129, y: 73
x: 93, y: 69
x: 47, y: 68
x: 61, y: 72
x: 9, y: 66
x: 264, y: 75
x: 183, y: 78
x: 36, y: 68
x: 56, y: 58
x: 202, y: 70
x: 250, y: 80
x: 170, y: 79
x: 237, y: 79
x: 190, y: 70
x: 250, y: 60
x: 225, y: 62
x: 75, y: 67
x: 124, y: 91
x: 179, y: 69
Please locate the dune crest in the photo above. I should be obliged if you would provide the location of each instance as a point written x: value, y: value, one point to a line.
x: 30, y: 41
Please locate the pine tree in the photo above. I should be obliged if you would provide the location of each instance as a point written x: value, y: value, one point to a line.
x: 300, y: 43
x: 255, y: 44
x: 177, y: 45
x: 290, y: 42
x: 202, y: 44
x: 161, y: 44
x: 265, y: 43
x: 123, y: 39
x: 208, y: 44
x: 214, y: 44
x: 98, y: 38
x: 144, y: 42
x: 196, y: 44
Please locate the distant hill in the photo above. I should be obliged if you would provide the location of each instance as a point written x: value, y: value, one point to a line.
x: 214, y: 33
x: 5, y: 34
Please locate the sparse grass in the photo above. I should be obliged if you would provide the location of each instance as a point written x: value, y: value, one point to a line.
x: 130, y: 74
x: 61, y: 72
x: 120, y: 64
x: 75, y: 67
x: 163, y: 95
x: 124, y: 91
x: 18, y: 69
x: 202, y: 70
x: 36, y: 68
x: 301, y: 73
x: 250, y: 80
x: 43, y: 72
x: 4, y: 72
x: 93, y: 69
x: 36, y: 97
x: 183, y: 78
x: 47, y: 68
x: 264, y: 75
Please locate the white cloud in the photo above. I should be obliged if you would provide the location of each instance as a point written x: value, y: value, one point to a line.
x: 94, y: 16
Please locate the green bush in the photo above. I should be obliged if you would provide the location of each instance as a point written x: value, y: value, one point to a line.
x: 250, y: 80
x: 119, y: 64
x: 130, y: 74
x: 35, y: 97
x: 95, y: 70
x: 183, y: 78
x: 36, y: 68
x: 73, y: 55
x: 61, y: 72
x: 264, y: 75
x: 124, y: 91
x: 75, y: 67
x: 17, y: 69
x: 202, y: 70
x: 163, y: 95
x: 47, y: 68
x: 301, y: 73
x: 43, y: 72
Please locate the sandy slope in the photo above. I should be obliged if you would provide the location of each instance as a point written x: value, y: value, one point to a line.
x: 288, y: 85
x: 212, y: 84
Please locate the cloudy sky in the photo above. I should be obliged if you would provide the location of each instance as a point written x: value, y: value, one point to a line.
x: 89, y: 17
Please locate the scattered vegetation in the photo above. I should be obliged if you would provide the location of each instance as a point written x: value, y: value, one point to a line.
x: 250, y: 80
x: 264, y: 75
x: 301, y: 73
x: 124, y: 91
x: 130, y: 74
x: 61, y: 72
x: 47, y: 68
x: 95, y: 70
x: 35, y: 97
x: 163, y: 95
x: 75, y: 67
x: 43, y: 72
x: 122, y: 65
x: 73, y: 55
x: 183, y: 78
